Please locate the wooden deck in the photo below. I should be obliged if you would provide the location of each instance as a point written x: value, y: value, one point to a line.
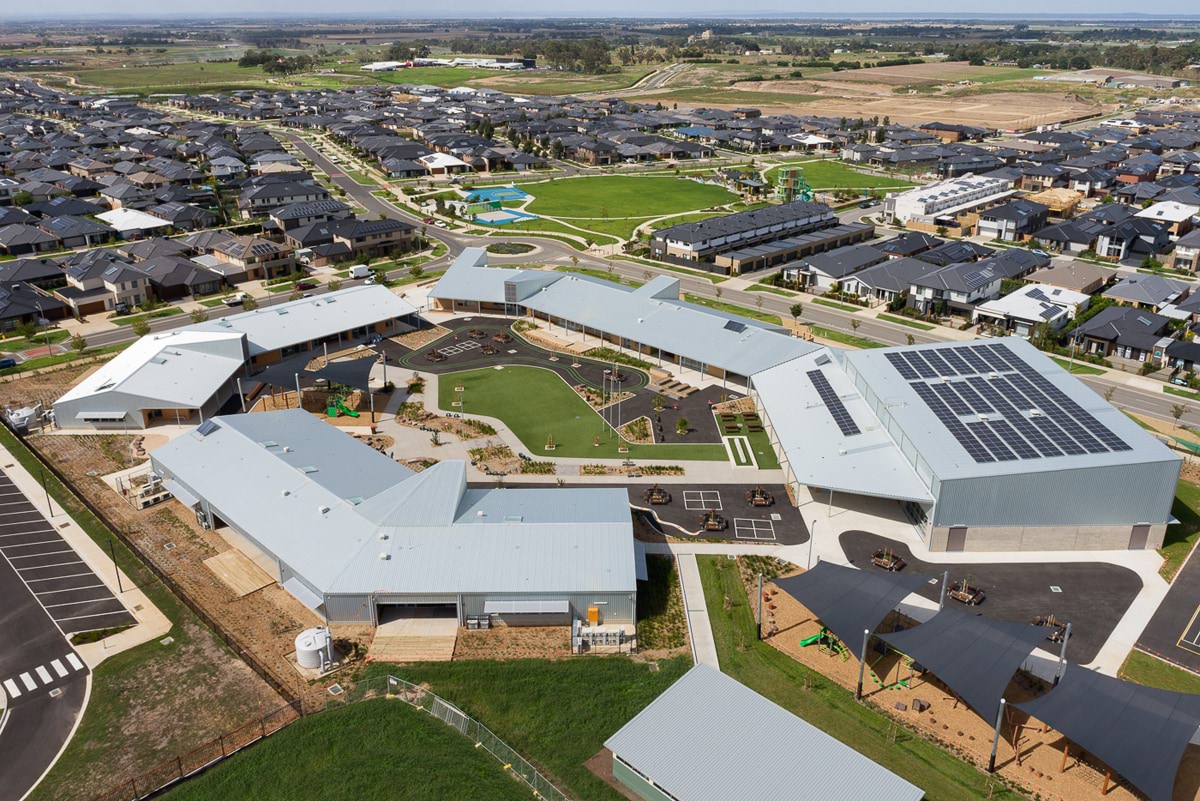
x: 239, y: 573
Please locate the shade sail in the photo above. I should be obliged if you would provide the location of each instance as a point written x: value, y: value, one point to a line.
x: 847, y: 600
x: 975, y: 656
x: 1139, y: 732
x: 351, y: 373
x: 283, y: 373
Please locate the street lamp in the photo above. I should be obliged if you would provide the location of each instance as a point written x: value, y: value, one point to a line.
x: 41, y: 317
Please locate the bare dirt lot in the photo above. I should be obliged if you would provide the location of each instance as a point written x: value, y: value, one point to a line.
x: 1002, y: 110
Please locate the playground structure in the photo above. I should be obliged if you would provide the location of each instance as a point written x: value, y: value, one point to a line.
x: 657, y: 496
x: 888, y: 560
x: 965, y: 592
x: 711, y: 521
x: 1058, y: 629
x: 759, y: 497
x: 828, y: 643
x: 791, y: 185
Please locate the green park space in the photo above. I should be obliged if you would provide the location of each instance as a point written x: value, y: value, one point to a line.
x: 827, y: 174
x: 617, y: 204
x: 1153, y: 672
x: 537, y: 404
x: 892, y: 318
x: 18, y: 343
x: 1181, y: 537
x: 373, y: 749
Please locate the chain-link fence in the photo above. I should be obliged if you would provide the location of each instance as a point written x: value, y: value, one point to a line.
x: 477, y: 733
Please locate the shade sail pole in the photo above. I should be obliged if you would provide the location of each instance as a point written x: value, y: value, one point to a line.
x: 1062, y: 654
x: 996, y: 737
x: 862, y: 665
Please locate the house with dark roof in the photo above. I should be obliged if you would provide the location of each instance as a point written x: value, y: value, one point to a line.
x: 77, y: 232
x: 955, y: 288
x: 1151, y: 292
x: 823, y: 270
x: 1123, y: 331
x: 23, y: 240
x: 356, y: 238
x: 102, y: 285
x: 263, y: 198
x: 42, y: 273
x: 888, y: 280
x: 184, y: 216
x: 174, y: 277
x: 1013, y: 221
x: 909, y: 244
x: 296, y: 215
x: 955, y: 251
x: 1134, y: 238
x: 22, y: 303
x: 1186, y: 255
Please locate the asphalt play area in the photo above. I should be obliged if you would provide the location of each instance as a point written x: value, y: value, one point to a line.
x: 1091, y: 597
x: 1174, y: 631
x: 780, y: 523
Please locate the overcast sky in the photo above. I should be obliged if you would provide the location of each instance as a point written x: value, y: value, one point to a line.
x: 490, y: 8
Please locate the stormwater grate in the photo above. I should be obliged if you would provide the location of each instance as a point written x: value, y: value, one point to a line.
x: 335, y: 689
x: 1055, y: 588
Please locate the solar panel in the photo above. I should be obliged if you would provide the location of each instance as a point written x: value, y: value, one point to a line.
x: 207, y: 427
x: 951, y: 399
x: 920, y: 365
x: 902, y: 367
x: 1057, y: 436
x: 956, y: 361
x: 1035, y: 437
x: 971, y: 445
x: 1036, y: 294
x: 833, y: 404
x: 734, y: 325
x: 1010, y: 437
x: 992, y: 442
x: 972, y: 358
x: 939, y: 364
x: 972, y: 398
x: 977, y: 278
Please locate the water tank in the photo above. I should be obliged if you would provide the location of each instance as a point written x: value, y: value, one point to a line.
x: 311, y: 644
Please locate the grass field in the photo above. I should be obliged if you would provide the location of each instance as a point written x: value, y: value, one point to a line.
x: 603, y: 275
x: 557, y: 714
x: 16, y: 344
x: 617, y: 204
x: 536, y: 404
x: 191, y: 76
x: 662, y: 621
x: 760, y: 443
x: 826, y: 174
x: 824, y: 704
x: 372, y: 749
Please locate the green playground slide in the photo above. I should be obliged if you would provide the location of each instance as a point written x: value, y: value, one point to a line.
x: 342, y: 408
x: 813, y: 640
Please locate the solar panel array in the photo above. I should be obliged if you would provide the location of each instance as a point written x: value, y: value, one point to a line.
x: 998, y: 407
x: 833, y: 404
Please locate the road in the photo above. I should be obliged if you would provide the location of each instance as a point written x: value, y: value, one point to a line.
x: 552, y: 251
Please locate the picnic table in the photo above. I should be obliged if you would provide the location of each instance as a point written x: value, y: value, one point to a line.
x: 657, y: 496
x: 501, y: 337
x: 886, y: 559
x: 966, y: 593
x: 435, y: 356
x: 759, y: 497
x: 711, y: 521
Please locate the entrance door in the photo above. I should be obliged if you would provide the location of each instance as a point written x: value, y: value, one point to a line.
x: 957, y: 538
x: 1138, y: 538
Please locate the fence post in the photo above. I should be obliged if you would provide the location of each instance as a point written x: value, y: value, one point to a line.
x: 179, y: 764
x: 221, y: 738
x: 133, y: 784
x: 262, y: 726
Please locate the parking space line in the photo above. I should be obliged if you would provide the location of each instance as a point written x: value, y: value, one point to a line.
x: 96, y: 614
x: 40, y: 593
x: 56, y: 578
x: 26, y: 533
x: 58, y: 667
x: 80, y: 603
x: 56, y: 564
x: 11, y: 686
x: 32, y: 555
x: 27, y: 544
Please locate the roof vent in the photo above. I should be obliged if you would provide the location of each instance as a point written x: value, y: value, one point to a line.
x: 324, y: 510
x: 287, y: 449
x: 384, y: 556
x: 287, y: 493
x: 383, y: 535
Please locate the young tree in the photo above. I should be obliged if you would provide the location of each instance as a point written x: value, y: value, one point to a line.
x: 78, y: 343
x: 682, y: 427
x: 1178, y: 411
x: 910, y: 339
x: 1108, y: 394
x: 854, y: 324
x: 250, y: 303
x: 140, y: 327
x: 333, y: 285
x: 198, y: 315
x: 796, y: 310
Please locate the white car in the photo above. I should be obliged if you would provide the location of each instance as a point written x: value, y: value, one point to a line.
x: 440, y: 224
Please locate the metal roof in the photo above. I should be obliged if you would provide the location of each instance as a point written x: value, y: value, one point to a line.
x: 710, y: 738
x: 282, y: 325
x: 349, y: 520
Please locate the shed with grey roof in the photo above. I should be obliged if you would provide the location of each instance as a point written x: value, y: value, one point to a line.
x: 711, y: 738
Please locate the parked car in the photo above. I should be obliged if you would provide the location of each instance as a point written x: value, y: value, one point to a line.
x: 428, y: 221
x: 236, y: 299
x: 303, y: 285
x: 1179, y: 381
x: 7, y: 362
x: 1039, y: 252
x: 360, y: 271
x: 440, y: 224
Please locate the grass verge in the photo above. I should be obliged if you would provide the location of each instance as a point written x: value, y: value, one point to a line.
x: 852, y: 340
x: 169, y: 311
x: 891, y: 318
x: 733, y: 308
x: 1154, y: 672
x: 1078, y: 368
x: 1181, y: 537
x: 833, y: 304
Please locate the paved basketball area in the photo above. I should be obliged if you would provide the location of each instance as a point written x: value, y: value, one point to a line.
x: 70, y: 592
x: 1092, y: 596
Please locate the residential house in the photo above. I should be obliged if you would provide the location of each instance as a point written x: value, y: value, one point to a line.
x: 266, y: 197
x: 1186, y: 255
x: 1013, y: 221
x: 296, y: 215
x: 42, y: 273
x: 23, y: 240
x: 1151, y: 292
x: 1123, y: 331
x: 1134, y: 238
x: 77, y: 232
x: 174, y: 277
x: 252, y: 258
x: 823, y: 270
x: 888, y: 280
x: 1024, y: 309
x: 338, y: 240
x: 1079, y: 276
x: 955, y: 288
x: 102, y: 285
x: 184, y: 216
x: 1177, y: 217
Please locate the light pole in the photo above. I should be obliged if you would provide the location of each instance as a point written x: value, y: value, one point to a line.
x: 812, y: 535
x: 41, y: 317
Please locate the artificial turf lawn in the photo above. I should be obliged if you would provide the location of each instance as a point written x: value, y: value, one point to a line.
x: 835, y: 175
x: 823, y: 703
x: 372, y: 749
x: 535, y: 404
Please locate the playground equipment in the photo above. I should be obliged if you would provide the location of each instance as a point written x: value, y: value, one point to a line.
x: 711, y: 521
x: 759, y: 497
x: 965, y: 592
x: 791, y: 185
x: 888, y: 560
x: 337, y: 407
x: 657, y: 496
x: 1057, y: 628
x: 827, y: 643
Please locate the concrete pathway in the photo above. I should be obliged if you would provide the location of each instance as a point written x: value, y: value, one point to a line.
x: 704, y: 648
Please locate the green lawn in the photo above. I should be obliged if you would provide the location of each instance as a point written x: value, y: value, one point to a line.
x: 557, y: 714
x: 1079, y: 368
x: 733, y: 308
x: 538, y: 225
x: 1183, y: 393
x: 1181, y: 537
x: 536, y: 404
x: 760, y: 443
x: 130, y: 319
x: 825, y: 704
x: 852, y: 340
x: 17, y: 344
x: 828, y: 174
x: 833, y: 304
x: 372, y: 749
x: 61, y: 358
x: 1153, y: 672
x: 774, y: 290
x: 361, y: 178
x: 616, y: 204
x: 891, y: 318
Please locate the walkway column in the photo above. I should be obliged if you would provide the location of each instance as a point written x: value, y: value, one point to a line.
x: 1062, y: 654
x: 299, y: 397
x: 996, y: 737
x: 862, y: 664
x: 942, y: 597
x: 758, y: 628
x: 241, y: 397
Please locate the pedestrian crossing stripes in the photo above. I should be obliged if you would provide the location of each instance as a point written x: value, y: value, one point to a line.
x: 42, y: 676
